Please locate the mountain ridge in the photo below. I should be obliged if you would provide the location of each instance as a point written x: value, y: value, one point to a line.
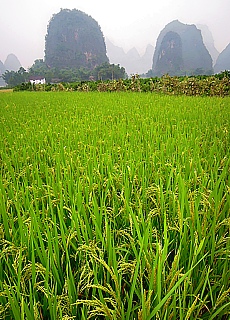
x: 12, y: 62
x: 131, y: 60
x: 223, y: 60
x: 73, y: 40
x: 194, y: 54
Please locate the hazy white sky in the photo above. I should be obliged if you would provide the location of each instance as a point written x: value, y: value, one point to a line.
x: 127, y: 23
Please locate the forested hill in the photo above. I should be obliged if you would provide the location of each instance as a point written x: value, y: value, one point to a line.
x: 180, y: 50
x: 74, y: 40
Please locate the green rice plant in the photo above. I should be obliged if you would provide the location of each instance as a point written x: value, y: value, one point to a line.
x: 114, y: 206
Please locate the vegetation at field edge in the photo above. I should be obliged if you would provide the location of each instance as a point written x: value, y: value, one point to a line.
x: 218, y: 85
x: 114, y: 206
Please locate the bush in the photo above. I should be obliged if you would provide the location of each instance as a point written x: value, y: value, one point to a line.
x: 218, y: 85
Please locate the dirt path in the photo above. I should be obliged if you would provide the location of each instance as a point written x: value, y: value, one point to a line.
x: 6, y: 90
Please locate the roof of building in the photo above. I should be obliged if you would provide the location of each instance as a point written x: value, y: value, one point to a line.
x: 33, y: 78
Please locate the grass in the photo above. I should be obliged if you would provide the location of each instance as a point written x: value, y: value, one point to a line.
x: 114, y: 206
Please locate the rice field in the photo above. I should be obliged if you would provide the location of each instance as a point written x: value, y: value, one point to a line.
x: 114, y: 206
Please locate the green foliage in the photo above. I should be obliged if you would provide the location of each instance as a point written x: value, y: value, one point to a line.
x: 114, y: 206
x: 104, y: 71
x: 108, y: 71
x: 218, y: 85
x: 13, y: 78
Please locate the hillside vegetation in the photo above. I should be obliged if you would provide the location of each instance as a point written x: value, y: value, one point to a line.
x: 180, y: 51
x: 74, y: 40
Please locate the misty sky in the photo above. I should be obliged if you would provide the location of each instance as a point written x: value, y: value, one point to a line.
x: 127, y: 23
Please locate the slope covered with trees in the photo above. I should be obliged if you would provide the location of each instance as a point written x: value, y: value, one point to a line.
x: 180, y: 50
x: 170, y: 58
x: 74, y: 40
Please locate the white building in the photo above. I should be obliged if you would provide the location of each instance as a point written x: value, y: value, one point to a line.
x: 37, y: 80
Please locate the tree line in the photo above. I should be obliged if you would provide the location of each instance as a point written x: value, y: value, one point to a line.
x: 105, y: 71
